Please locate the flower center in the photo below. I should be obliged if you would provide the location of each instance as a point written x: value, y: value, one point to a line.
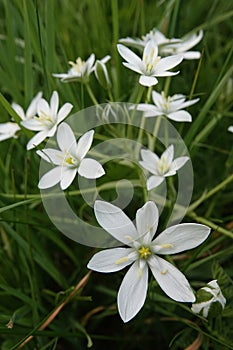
x: 78, y: 66
x: 150, y: 60
x: 144, y: 252
x: 45, y: 119
x: 69, y: 160
x: 163, y: 166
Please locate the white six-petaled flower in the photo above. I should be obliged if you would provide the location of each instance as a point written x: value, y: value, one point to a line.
x: 151, y: 65
x: 8, y: 130
x: 31, y: 110
x: 80, y: 70
x: 70, y: 159
x: 161, y: 167
x: 168, y: 46
x: 143, y: 252
x: 172, y: 107
x: 47, y: 120
x: 215, y: 297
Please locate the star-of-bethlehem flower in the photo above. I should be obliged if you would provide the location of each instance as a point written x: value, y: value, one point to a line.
x: 230, y: 128
x: 80, y: 70
x: 47, y: 120
x: 8, y: 130
x: 171, y: 106
x: 167, y: 46
x: 208, y: 297
x: 161, y: 167
x: 151, y: 65
x: 143, y: 251
x: 31, y: 110
x: 70, y: 159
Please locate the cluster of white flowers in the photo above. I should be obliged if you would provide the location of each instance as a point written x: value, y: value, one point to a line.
x: 159, y: 56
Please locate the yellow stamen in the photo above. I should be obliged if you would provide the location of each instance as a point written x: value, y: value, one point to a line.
x: 144, y: 252
x: 122, y: 260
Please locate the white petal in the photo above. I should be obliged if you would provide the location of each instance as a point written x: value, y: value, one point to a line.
x: 180, y: 116
x: 157, y: 99
x: 147, y: 80
x: 129, y: 55
x: 54, y: 102
x: 132, y: 293
x: 168, y: 63
x: 188, y: 103
x: 150, y: 160
x: 37, y: 139
x: 84, y: 144
x: 51, y: 155
x: 90, y: 169
x: 116, y: 222
x: 181, y: 237
x: 33, y: 124
x: 50, y: 178
x: 110, y: 260
x: 192, y: 55
x: 137, y: 69
x: 19, y: 110
x: 65, y: 138
x: 147, y: 219
x: 154, y: 181
x: 150, y: 48
x: 67, y: 176
x: 178, y: 163
x: 168, y: 154
x: 43, y: 108
x: 230, y: 128
x: 32, y: 108
x: 171, y: 280
x: 64, y: 111
x: 149, y: 110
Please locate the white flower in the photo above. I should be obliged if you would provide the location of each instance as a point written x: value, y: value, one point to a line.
x: 230, y: 128
x: 70, y: 159
x: 167, y: 46
x: 183, y: 47
x: 47, y: 121
x: 160, y: 167
x: 171, y: 106
x: 214, y: 294
x: 143, y: 253
x: 151, y: 65
x: 31, y: 110
x: 8, y: 130
x: 80, y: 70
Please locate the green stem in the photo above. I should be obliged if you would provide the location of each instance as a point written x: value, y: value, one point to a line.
x: 90, y: 93
x: 207, y: 195
x: 211, y: 224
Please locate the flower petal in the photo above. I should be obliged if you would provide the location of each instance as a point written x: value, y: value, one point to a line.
x: 168, y: 154
x: 43, y: 108
x: 65, y: 138
x: 51, y: 178
x: 181, y: 237
x: 180, y: 116
x: 132, y: 293
x: 154, y: 181
x: 110, y: 260
x: 147, y: 219
x: 146, y: 80
x: 115, y: 222
x: 19, y: 110
x: 150, y: 160
x: 54, y: 103
x: 37, y: 139
x: 171, y: 280
x: 32, y: 108
x: 167, y: 63
x: 129, y: 55
x: 178, y: 163
x: 67, y: 176
x: 64, y: 111
x: 90, y: 169
x: 51, y: 155
x: 84, y: 144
